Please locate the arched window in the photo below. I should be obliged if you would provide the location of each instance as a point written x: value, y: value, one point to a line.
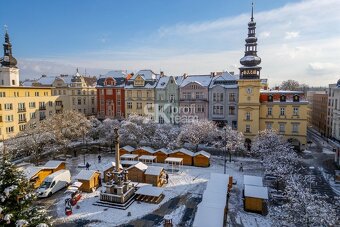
x: 282, y: 98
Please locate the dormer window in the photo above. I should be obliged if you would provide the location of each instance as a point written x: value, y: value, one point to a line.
x: 270, y: 98
x: 139, y: 82
x: 296, y: 98
x: 282, y: 98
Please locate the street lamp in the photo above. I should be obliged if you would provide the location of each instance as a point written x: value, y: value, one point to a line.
x: 225, y: 150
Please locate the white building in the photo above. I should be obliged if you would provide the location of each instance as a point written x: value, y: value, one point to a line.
x: 333, y: 113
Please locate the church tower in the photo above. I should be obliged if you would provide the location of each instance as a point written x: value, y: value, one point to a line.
x: 9, y: 72
x: 249, y: 85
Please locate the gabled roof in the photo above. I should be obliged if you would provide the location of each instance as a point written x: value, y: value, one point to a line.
x: 203, y: 80
x: 148, y: 149
x: 147, y: 74
x: 226, y: 80
x: 85, y: 174
x: 162, y: 82
x: 164, y: 150
x: 52, y: 164
x: 184, y: 151
x: 31, y: 171
x: 154, y: 170
x: 90, y: 81
x: 139, y: 165
x: 204, y: 153
x: 128, y: 148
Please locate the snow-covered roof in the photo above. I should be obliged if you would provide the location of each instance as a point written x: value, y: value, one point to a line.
x: 85, y: 174
x: 208, y: 216
x: 149, y: 191
x: 31, y: 171
x: 52, y: 164
x: 46, y: 80
x: 280, y: 92
x: 184, y: 151
x: 164, y: 150
x: 115, y: 74
x: 140, y: 166
x: 154, y: 170
x: 226, y: 80
x: 173, y: 159
x: 162, y: 82
x: 51, y: 176
x: 252, y: 180
x: 256, y: 191
x: 147, y: 157
x: 128, y: 162
x: 203, y: 80
x: 148, y: 149
x: 109, y: 165
x: 128, y: 148
x: 204, y: 153
x: 147, y: 74
x: 129, y: 156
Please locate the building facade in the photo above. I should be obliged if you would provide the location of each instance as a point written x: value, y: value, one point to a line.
x: 317, y: 111
x: 223, y: 96
x: 111, y: 95
x: 20, y: 107
x: 194, y: 97
x: 167, y: 99
x: 333, y: 113
x: 140, y: 94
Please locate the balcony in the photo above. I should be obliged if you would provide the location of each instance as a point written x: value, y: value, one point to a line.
x: 21, y: 110
x: 42, y: 107
x: 22, y: 121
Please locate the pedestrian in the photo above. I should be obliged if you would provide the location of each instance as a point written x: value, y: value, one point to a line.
x: 241, y: 167
x: 87, y: 166
x: 99, y: 158
x: 167, y: 177
x: 75, y: 153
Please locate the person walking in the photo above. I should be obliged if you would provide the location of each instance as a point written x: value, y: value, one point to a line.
x: 167, y: 177
x: 87, y: 166
x: 99, y: 159
x: 241, y: 167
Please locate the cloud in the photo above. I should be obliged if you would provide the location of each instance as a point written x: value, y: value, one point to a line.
x: 292, y: 35
x: 297, y: 41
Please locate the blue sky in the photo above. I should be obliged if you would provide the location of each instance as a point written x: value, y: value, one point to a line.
x: 193, y: 36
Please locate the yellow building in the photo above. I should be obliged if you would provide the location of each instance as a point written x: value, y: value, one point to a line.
x: 140, y: 94
x: 260, y: 108
x: 20, y: 106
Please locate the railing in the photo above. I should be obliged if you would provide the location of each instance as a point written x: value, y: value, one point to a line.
x: 22, y: 121
x: 21, y: 110
x: 42, y: 107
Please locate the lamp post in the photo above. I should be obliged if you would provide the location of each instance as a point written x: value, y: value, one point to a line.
x: 225, y: 150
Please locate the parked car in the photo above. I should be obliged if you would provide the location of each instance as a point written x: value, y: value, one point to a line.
x: 54, y: 182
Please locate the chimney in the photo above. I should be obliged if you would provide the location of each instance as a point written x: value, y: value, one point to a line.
x: 185, y: 75
x: 43, y: 75
x: 212, y: 74
x: 232, y: 73
x: 161, y: 73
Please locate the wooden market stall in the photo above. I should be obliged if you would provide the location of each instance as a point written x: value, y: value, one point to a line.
x: 126, y: 150
x: 143, y: 151
x: 202, y: 159
x: 252, y: 180
x: 174, y: 163
x: 147, y: 159
x: 129, y: 157
x: 161, y: 154
x: 136, y: 172
x: 90, y: 180
x: 54, y: 165
x: 108, y: 171
x: 255, y: 198
x: 149, y: 194
x: 183, y: 153
x: 155, y: 175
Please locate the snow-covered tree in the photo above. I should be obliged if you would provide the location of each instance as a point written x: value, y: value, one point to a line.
x: 17, y: 199
x: 96, y: 129
x: 197, y: 132
x: 165, y: 136
x: 230, y: 140
x: 304, y: 208
x: 290, y: 85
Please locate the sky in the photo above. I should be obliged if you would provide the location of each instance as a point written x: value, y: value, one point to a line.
x: 298, y: 39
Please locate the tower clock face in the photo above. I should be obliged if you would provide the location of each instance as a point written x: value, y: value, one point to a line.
x: 249, y: 90
x: 6, y: 58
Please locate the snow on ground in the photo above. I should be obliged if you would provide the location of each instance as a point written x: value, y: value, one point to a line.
x: 190, y: 179
x: 327, y: 151
x: 307, y: 151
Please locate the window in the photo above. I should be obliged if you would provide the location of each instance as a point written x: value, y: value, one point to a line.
x: 248, y: 116
x: 31, y: 104
x: 42, y: 106
x: 22, y: 118
x: 50, y: 103
x: 139, y: 94
x: 129, y: 94
x: 218, y: 110
x: 129, y: 105
x: 9, y: 118
x: 199, y: 108
x: 281, y: 127
x: 186, y: 95
x: 79, y: 101
x: 139, y: 105
x: 9, y: 130
x: 21, y: 106
x: 160, y: 120
x: 84, y: 101
x: 295, y: 127
x: 42, y: 115
x: 36, y: 93
x: 27, y: 93
x: 8, y: 106
x: 269, y: 111
x: 160, y: 97
x: 270, y: 98
x: 2, y: 94
x: 13, y: 82
x: 295, y: 111
x: 199, y: 95
x: 234, y: 125
x: 269, y: 125
x: 172, y: 98
x: 160, y: 108
x: 22, y: 127
x: 32, y: 115
x: 118, y: 92
x: 232, y: 97
x: 282, y: 98
x: 194, y: 86
x: 92, y: 110
x: 79, y: 92
x: 217, y: 97
x: 296, y: 98
x: 231, y: 110
x: 282, y: 111
x: 109, y: 91
x: 92, y: 100
x: 148, y: 94
x: 248, y: 128
x: 92, y: 92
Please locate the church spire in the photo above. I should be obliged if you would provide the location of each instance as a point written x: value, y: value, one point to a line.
x: 250, y: 61
x: 8, y: 60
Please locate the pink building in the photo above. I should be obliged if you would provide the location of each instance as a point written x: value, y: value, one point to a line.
x: 194, y: 97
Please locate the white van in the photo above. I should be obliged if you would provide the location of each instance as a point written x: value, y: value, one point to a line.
x: 54, y: 183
